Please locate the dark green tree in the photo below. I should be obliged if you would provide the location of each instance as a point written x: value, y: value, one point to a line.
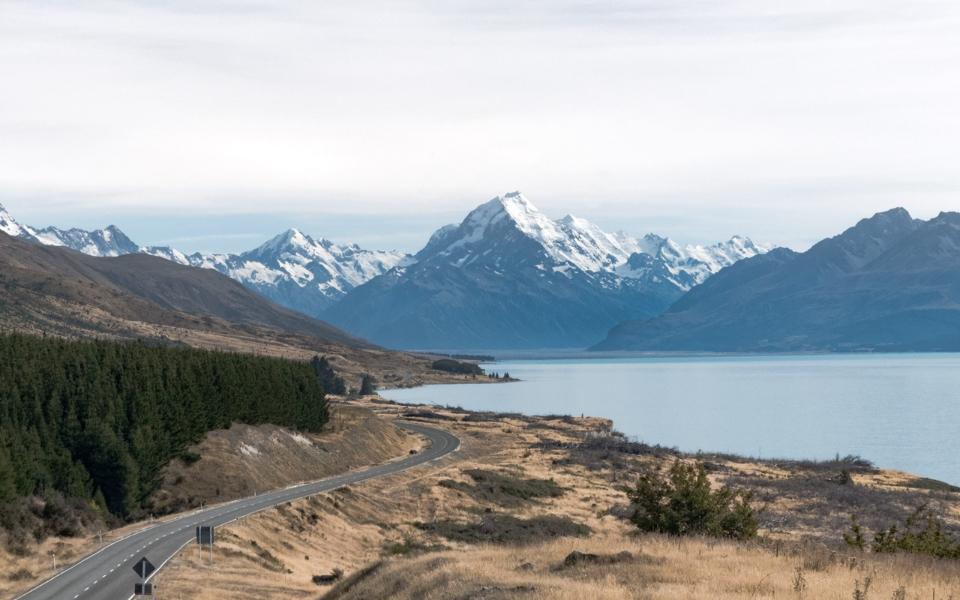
x: 8, y: 484
x: 368, y: 385
x: 684, y: 503
x: 331, y: 382
x: 98, y: 420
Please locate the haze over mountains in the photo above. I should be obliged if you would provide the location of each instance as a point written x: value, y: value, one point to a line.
x: 890, y: 283
x: 506, y: 277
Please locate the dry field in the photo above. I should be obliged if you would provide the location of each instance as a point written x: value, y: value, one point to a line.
x: 649, y: 567
x: 498, y: 519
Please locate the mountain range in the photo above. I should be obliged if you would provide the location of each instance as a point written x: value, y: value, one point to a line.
x: 505, y: 277
x: 508, y: 276
x: 890, y: 283
x: 53, y: 290
x: 292, y: 269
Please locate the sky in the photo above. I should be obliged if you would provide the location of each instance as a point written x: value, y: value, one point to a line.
x: 212, y: 125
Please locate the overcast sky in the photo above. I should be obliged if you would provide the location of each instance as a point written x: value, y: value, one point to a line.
x: 213, y: 125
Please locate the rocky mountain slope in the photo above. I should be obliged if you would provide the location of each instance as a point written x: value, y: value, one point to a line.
x: 510, y: 277
x: 58, y: 290
x: 506, y: 277
x: 890, y: 283
x: 292, y: 269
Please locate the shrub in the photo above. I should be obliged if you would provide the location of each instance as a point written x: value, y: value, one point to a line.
x: 922, y: 533
x: 189, y: 457
x: 334, y: 576
x: 854, y: 537
x: 683, y: 503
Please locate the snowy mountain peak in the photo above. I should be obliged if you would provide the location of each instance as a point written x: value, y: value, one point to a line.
x: 10, y: 226
x: 574, y: 242
x: 290, y: 238
x: 109, y: 241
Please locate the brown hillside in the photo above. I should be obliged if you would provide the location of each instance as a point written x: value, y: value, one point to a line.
x: 141, y: 288
x: 57, y: 291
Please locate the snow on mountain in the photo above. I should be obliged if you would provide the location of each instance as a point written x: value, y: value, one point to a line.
x: 109, y: 241
x: 292, y: 268
x: 578, y: 243
x: 508, y: 276
x: 10, y: 226
x: 318, y: 264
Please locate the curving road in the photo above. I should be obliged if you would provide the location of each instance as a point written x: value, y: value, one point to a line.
x: 108, y: 574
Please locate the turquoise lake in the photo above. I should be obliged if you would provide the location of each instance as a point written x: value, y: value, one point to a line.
x: 900, y: 411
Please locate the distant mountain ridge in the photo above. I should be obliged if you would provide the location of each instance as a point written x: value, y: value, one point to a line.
x: 889, y: 283
x: 507, y: 276
x: 510, y: 277
x: 293, y: 269
x: 51, y: 289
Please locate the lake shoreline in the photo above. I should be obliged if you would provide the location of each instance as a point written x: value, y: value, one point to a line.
x: 894, y: 409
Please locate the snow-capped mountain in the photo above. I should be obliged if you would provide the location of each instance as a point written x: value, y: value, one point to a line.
x: 296, y: 270
x: 506, y: 276
x: 293, y: 269
x: 109, y: 241
x: 509, y: 276
x: 10, y: 226
x: 890, y: 283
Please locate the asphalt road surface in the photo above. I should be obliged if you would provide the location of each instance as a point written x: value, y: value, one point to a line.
x: 108, y: 574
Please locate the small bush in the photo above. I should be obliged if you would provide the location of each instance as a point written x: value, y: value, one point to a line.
x: 922, y: 533
x: 683, y: 503
x: 20, y: 575
x: 854, y: 536
x: 189, y: 457
x: 333, y: 577
x: 408, y: 546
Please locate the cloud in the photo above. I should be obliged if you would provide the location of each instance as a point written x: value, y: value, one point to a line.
x: 643, y: 109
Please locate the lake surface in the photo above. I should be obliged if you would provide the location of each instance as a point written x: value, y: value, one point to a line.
x: 900, y: 411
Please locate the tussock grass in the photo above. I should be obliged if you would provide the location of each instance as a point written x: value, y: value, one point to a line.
x: 660, y: 568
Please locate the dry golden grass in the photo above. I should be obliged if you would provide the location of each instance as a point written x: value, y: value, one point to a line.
x: 239, y: 461
x: 661, y: 568
x: 277, y: 553
x: 365, y: 525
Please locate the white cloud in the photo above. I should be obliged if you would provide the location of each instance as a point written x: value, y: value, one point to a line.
x: 748, y: 109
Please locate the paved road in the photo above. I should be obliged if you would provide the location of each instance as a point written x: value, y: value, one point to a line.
x: 108, y: 574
